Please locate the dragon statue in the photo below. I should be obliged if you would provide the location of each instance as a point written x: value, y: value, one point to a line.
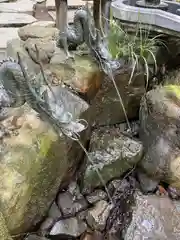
x: 17, y: 88
x: 86, y: 28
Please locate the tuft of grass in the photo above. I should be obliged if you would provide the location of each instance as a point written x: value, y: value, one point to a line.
x: 138, y: 48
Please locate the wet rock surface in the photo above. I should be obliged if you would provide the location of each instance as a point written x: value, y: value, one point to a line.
x: 111, y: 154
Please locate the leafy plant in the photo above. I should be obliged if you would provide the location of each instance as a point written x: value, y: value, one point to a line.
x: 136, y: 48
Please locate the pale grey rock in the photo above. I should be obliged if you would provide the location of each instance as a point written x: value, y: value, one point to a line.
x: 70, y: 205
x: 16, y: 45
x: 154, y: 218
x: 71, y: 226
x: 40, y: 1
x: 159, y: 131
x: 74, y: 190
x: 44, y: 23
x: 40, y: 32
x: 147, y: 184
x: 98, y: 215
x: 20, y: 6
x: 7, y: 34
x: 15, y: 19
x: 113, y: 185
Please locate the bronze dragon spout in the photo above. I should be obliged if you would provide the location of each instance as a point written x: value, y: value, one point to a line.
x: 90, y: 30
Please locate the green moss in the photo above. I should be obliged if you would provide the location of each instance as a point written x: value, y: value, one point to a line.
x: 175, y: 89
x: 4, y: 233
x: 44, y: 142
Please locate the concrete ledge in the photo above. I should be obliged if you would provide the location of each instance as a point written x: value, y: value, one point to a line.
x: 154, y: 17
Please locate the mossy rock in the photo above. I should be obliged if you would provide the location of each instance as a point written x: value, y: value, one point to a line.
x: 34, y: 163
x: 4, y: 233
x: 112, y: 154
x: 159, y: 132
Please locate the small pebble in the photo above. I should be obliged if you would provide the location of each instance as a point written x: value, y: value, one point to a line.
x: 98, y: 215
x: 96, y: 196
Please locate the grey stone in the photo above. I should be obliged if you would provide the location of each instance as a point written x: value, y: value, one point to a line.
x: 35, y: 172
x: 156, y: 218
x: 45, y: 47
x: 54, y: 212
x: 111, y: 154
x: 16, y: 45
x: 6, y: 34
x: 82, y: 215
x: 147, y: 184
x: 31, y: 31
x: 113, y: 185
x: 20, y: 6
x: 71, y: 226
x: 46, y: 226
x: 15, y: 19
x: 74, y: 190
x: 159, y: 132
x: 44, y: 23
x: 106, y: 108
x: 96, y: 196
x: 98, y: 215
x: 70, y: 205
x: 40, y: 1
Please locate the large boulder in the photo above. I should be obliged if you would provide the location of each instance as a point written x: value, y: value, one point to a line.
x: 4, y: 233
x: 159, y: 132
x: 154, y: 218
x: 35, y: 162
x: 107, y: 107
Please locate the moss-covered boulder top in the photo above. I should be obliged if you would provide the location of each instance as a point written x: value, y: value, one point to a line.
x: 159, y: 131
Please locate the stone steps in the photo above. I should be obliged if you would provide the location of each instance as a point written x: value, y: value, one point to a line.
x: 21, y: 12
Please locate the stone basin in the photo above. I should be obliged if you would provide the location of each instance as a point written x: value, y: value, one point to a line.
x: 169, y: 19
